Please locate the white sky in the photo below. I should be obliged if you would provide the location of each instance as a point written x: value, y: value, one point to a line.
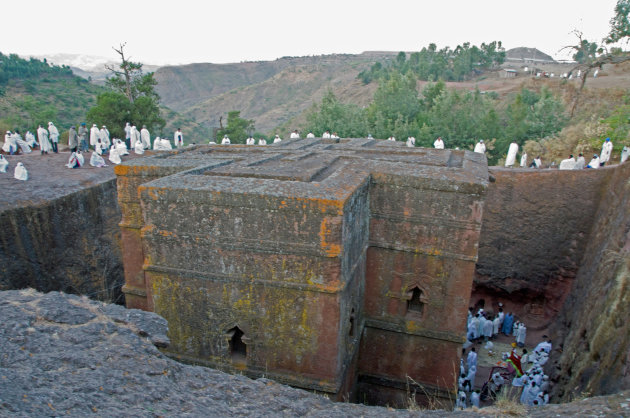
x: 185, y: 31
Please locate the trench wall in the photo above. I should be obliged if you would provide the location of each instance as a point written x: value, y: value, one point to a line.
x: 70, y: 244
x: 593, y: 328
x: 535, y: 229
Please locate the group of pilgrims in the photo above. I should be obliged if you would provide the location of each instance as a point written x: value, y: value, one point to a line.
x: 526, y: 370
x: 80, y: 142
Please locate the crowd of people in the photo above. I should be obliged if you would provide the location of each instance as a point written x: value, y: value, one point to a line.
x: 523, y: 371
x: 81, y: 141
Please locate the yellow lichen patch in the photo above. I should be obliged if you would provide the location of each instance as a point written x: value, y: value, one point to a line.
x: 283, y: 204
x: 325, y: 235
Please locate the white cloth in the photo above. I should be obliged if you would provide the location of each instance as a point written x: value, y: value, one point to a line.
x: 543, y: 346
x: 471, y: 360
x: 250, y: 141
x: 411, y: 142
x: 511, y: 155
x: 9, y: 143
x: 98, y: 148
x: 127, y: 131
x: 53, y: 132
x: 135, y: 137
x: 104, y: 135
x: 594, y: 163
x: 4, y: 164
x: 567, y: 164
x: 474, y: 399
x: 326, y: 134
x: 579, y: 164
x: 480, y: 147
x: 17, y: 138
x: 537, y: 162
x: 30, y: 139
x: 94, y: 134
x: 521, y: 332
x: 524, y: 159
x: 178, y: 139
x: 225, y: 141
x: 138, y: 147
x: 80, y: 158
x: 294, y: 135
x: 262, y: 141
x: 310, y: 135
x: 20, y: 172
x: 121, y: 147
x: 625, y: 152
x: 44, y: 143
x: 145, y: 137
x: 96, y: 160
x: 162, y: 144
x: 277, y: 139
x: 73, y: 161
x: 114, y: 157
x: 604, y: 157
x: 392, y: 138
x: 438, y: 144
x: 487, y: 328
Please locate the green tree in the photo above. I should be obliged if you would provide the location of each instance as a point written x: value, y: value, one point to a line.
x: 132, y: 99
x: 347, y: 120
x: 237, y: 128
x: 619, y: 24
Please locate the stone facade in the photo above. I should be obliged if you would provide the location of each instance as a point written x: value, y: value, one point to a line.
x: 341, y: 266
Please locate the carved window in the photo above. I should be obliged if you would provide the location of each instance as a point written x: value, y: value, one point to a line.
x: 238, y: 349
x: 416, y: 301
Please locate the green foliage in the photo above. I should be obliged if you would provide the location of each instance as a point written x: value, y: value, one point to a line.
x: 586, y: 52
x: 347, y: 120
x: 431, y: 64
x: 237, y: 129
x: 619, y: 24
x: 133, y: 99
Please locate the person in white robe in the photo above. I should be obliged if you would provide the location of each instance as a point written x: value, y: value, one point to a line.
x: 44, y: 143
x: 121, y: 147
x: 21, y: 143
x: 487, y: 329
x: 250, y: 141
x: 73, y: 161
x: 471, y: 360
x: 580, y: 163
x: 607, y: 148
x: 104, y: 135
x: 138, y: 147
x: 178, y: 138
x: 20, y: 172
x: 53, y: 134
x: 475, y: 398
x: 30, y: 139
x: 411, y: 142
x: 521, y: 333
x: 625, y: 152
x: 262, y: 141
x: 438, y: 143
x: 472, y: 374
x: 461, y: 400
x: 128, y: 135
x: 524, y: 160
x: 480, y: 147
x: 537, y: 163
x: 310, y: 135
x: 114, y: 157
x: 511, y: 155
x: 135, y: 136
x: 496, y: 325
x: 157, y: 144
x: 392, y: 138
x: 225, y: 140
x: 166, y: 144
x: 8, y: 146
x: 334, y: 135
x: 326, y: 135
x: 4, y: 164
x: 567, y: 164
x: 145, y: 137
x: 295, y: 135
x: 96, y: 160
x: 80, y: 158
x: 94, y: 134
x: 594, y: 162
x: 277, y: 139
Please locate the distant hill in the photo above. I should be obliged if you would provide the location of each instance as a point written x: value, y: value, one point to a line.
x: 270, y: 92
x: 523, y: 54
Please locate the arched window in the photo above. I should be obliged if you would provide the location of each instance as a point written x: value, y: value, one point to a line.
x: 238, y: 349
x: 416, y: 302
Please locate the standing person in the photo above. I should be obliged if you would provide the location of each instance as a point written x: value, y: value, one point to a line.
x: 94, y: 133
x: 524, y: 160
x: 135, y: 137
x: 128, y: 135
x: 471, y: 360
x: 178, y: 138
x: 624, y: 154
x: 411, y: 141
x: 9, y: 145
x: 511, y: 155
x: 53, y: 134
x: 104, y: 135
x: 73, y: 139
x: 480, y: 147
x: 438, y: 143
x: 83, y: 133
x: 145, y: 137
x: 604, y: 157
x: 42, y: 135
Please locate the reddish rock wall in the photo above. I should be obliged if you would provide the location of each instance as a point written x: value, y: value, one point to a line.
x: 535, y: 229
x: 593, y: 329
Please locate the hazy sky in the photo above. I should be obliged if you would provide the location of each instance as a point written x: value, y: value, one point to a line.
x: 185, y: 31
